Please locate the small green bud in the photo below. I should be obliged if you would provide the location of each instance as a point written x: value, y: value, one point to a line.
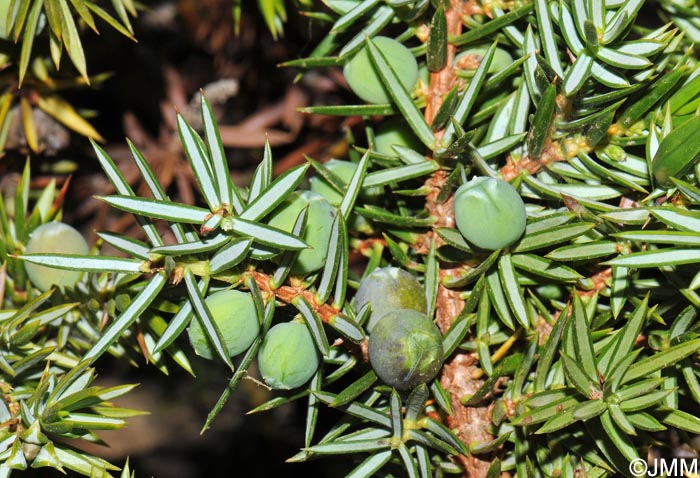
x: 94, y: 305
x: 405, y: 349
x: 659, y: 340
x: 489, y: 213
x: 500, y: 412
x: 59, y: 238
x: 235, y: 315
x: 550, y: 291
x: 615, y: 152
x: 388, y: 289
x: 288, y: 357
x: 317, y: 233
x: 364, y: 80
x: 122, y: 301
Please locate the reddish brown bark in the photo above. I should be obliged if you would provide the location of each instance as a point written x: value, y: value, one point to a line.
x: 470, y: 423
x: 287, y: 293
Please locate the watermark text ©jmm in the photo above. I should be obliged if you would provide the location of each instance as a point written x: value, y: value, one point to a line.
x: 675, y: 467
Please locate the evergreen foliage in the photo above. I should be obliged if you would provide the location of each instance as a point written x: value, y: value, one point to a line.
x: 571, y: 351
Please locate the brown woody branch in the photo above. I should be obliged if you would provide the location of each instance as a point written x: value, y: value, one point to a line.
x: 471, y: 423
x: 287, y: 293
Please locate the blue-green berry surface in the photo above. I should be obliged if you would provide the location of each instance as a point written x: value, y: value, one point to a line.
x: 319, y: 222
x: 395, y: 132
x: 363, y: 78
x: 54, y: 237
x: 489, y: 213
x: 288, y: 357
x: 235, y: 315
x: 405, y: 349
x: 344, y: 171
x: 388, y: 289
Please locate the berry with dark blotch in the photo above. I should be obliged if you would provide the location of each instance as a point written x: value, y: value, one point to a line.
x: 319, y: 222
x: 388, y: 289
x: 59, y: 238
x: 288, y: 357
x: 405, y: 349
x: 489, y: 213
x: 363, y: 78
x: 234, y: 313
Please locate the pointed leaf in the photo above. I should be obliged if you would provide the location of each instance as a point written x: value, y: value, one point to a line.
x: 547, y: 36
x: 619, y: 439
x: 230, y: 255
x: 579, y: 379
x: 681, y: 420
x: 117, y: 328
x: 87, y: 263
x: 625, y: 340
x: 494, y: 25
x: 354, y: 186
x: 678, y: 152
x: 399, y: 173
x: 347, y: 327
x: 194, y: 247
x: 274, y: 193
x: 200, y: 163
x: 167, y: 210
x: 400, y: 96
x: 577, y: 74
x: 313, y: 322
x: 110, y: 20
x: 338, y: 242
x: 670, y: 256
x: 227, y: 191
x: 358, y: 410
x: 541, y: 121
x: 71, y: 39
x: 63, y: 112
x: 436, y: 56
x: 206, y: 320
x: 661, y: 360
x: 267, y: 235
x: 551, y: 236
x: 371, y: 465
x: 468, y: 98
x: 126, y: 244
x: 544, y: 267
x: 352, y: 15
x: 512, y: 291
x: 548, y: 355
